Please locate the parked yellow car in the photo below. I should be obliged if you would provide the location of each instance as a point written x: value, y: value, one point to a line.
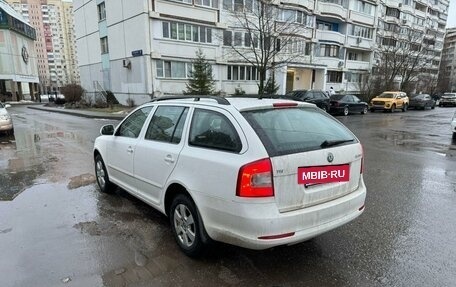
x: 389, y: 101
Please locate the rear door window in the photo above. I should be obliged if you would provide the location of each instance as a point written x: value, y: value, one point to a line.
x: 211, y: 129
x: 294, y: 130
x: 167, y: 124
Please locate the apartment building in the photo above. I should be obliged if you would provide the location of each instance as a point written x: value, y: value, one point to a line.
x: 447, y: 76
x: 339, y: 43
x: 55, y: 44
x: 18, y: 61
x: 418, y: 28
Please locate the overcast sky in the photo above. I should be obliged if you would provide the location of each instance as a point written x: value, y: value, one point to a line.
x: 451, y: 22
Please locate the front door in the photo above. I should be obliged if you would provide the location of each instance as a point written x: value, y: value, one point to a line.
x: 122, y: 148
x: 290, y: 79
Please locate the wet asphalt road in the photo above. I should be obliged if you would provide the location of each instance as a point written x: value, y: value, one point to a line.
x: 56, y: 229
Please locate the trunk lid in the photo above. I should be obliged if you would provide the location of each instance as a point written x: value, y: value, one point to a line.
x: 291, y: 195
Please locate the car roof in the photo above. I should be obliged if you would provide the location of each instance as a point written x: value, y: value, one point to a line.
x: 238, y: 103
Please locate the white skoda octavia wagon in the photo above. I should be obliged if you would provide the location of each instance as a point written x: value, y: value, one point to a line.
x: 256, y: 173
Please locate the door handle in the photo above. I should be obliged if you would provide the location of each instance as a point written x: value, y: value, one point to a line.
x: 129, y: 149
x: 169, y: 159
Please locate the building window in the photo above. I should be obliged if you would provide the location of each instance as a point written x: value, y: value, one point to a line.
x: 101, y: 11
x: 334, y: 77
x: 296, y: 46
x: 393, y: 12
x: 327, y: 50
x: 353, y: 77
x: 173, y: 69
x: 227, y: 38
x: 364, y: 7
x: 389, y: 42
x: 327, y: 26
x: 352, y: 56
x: 294, y: 16
x: 186, y: 32
x: 207, y: 3
x: 360, y: 31
x: 242, y: 73
x: 184, y: 1
x: 104, y: 45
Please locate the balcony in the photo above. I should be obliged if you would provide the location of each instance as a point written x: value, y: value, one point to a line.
x: 359, y: 42
x: 331, y: 63
x: 186, y: 11
x: 332, y: 10
x: 420, y: 13
x: 357, y: 65
x: 362, y: 18
x: 305, y: 3
x: 330, y: 36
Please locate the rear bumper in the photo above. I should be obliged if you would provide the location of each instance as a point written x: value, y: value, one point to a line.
x: 242, y: 224
x: 336, y: 110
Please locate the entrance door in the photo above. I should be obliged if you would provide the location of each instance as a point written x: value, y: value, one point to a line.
x: 290, y: 79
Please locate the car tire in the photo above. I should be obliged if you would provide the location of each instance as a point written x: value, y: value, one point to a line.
x: 433, y: 107
x: 372, y: 110
x: 345, y: 111
x: 364, y: 111
x: 102, y: 177
x: 187, y: 227
x: 404, y: 108
x: 393, y: 107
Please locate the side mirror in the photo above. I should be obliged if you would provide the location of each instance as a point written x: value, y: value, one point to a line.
x: 7, y: 106
x: 107, y: 130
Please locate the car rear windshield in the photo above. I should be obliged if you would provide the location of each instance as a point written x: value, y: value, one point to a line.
x: 294, y: 130
x: 418, y: 97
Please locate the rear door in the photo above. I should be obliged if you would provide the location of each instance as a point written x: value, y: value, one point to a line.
x: 315, y: 159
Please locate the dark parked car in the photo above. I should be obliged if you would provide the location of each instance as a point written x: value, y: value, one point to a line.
x: 448, y: 99
x: 421, y: 101
x: 316, y: 97
x: 345, y: 104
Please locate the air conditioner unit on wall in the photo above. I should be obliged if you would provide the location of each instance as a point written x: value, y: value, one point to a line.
x: 359, y: 40
x: 126, y: 63
x: 404, y: 21
x: 341, y: 64
x: 399, y: 5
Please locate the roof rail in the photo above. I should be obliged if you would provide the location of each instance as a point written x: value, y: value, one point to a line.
x: 220, y: 100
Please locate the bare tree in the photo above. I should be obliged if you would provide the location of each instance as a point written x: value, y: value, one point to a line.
x: 272, y: 36
x: 404, y: 58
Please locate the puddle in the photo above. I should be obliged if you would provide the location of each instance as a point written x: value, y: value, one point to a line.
x: 14, y: 182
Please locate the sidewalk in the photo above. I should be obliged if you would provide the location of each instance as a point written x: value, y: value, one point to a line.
x: 82, y: 113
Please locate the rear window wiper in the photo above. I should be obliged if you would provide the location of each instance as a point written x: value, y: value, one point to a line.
x: 327, y: 143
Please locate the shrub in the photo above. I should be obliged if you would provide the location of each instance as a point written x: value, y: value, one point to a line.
x: 239, y: 91
x: 72, y: 92
x: 130, y: 102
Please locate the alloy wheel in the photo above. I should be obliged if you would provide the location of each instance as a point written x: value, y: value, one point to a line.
x: 185, y: 225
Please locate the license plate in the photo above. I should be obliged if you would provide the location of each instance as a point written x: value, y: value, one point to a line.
x: 323, y: 174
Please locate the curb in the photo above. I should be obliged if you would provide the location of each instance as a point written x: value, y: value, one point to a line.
x: 78, y: 114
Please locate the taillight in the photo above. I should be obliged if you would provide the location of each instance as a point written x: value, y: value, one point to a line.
x: 255, y: 179
x: 362, y: 159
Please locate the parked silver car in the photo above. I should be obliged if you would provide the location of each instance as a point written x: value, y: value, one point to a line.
x: 6, y: 123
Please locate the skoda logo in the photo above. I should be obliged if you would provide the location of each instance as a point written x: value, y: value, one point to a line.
x: 330, y: 157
